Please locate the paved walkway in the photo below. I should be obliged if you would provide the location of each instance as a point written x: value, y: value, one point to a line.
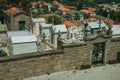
x: 108, y: 72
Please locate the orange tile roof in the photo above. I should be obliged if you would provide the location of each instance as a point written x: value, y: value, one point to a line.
x: 110, y: 21
x: 70, y: 7
x: 64, y: 9
x: 92, y: 19
x: 87, y: 11
x: 71, y: 23
x: 37, y: 3
x: 92, y: 9
x: 55, y: 2
x: 33, y: 3
x: 68, y: 23
x: 12, y: 10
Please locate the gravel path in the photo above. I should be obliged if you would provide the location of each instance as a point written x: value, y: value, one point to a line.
x: 108, y: 72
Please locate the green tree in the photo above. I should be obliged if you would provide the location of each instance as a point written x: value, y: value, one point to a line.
x: 54, y: 19
x: 45, y: 9
x: 77, y: 16
x: 54, y: 8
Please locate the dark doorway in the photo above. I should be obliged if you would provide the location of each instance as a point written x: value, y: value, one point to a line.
x: 98, y: 52
x: 21, y: 25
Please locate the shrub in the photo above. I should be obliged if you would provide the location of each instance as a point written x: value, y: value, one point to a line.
x: 86, y: 66
x: 112, y: 62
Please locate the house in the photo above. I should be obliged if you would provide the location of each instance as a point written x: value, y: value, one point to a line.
x: 92, y: 19
x: 63, y: 10
x: 110, y: 21
x: 46, y: 30
x: 56, y: 30
x: 56, y: 3
x: 3, y: 35
x: 36, y: 24
x: 72, y: 8
x: 17, y: 19
x: 88, y: 12
x: 21, y: 42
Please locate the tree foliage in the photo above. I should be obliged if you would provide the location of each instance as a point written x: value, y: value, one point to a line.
x: 45, y: 9
x: 54, y: 8
x: 54, y: 19
x: 77, y: 16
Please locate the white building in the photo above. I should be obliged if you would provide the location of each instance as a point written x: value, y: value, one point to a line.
x: 21, y: 42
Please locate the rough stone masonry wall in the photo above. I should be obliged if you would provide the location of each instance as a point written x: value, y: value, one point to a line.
x: 72, y: 57
x: 18, y: 67
x: 22, y: 17
x: 114, y: 46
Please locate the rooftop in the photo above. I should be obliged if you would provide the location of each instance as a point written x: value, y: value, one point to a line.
x: 96, y: 24
x: 110, y: 21
x: 70, y: 7
x: 46, y: 25
x: 12, y: 10
x: 87, y: 11
x: 38, y: 20
x: 57, y: 28
x: 64, y: 9
x: 116, y: 29
x: 92, y: 19
x: 71, y: 23
x: 18, y: 33
x: 23, y: 39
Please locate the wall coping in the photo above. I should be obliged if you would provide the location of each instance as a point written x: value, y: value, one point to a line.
x: 115, y: 39
x: 30, y: 55
x: 64, y: 45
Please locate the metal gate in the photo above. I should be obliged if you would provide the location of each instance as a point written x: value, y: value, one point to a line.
x: 98, y: 53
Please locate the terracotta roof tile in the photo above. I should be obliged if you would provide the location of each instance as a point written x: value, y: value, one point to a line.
x: 92, y: 19
x: 37, y: 3
x: 12, y: 10
x: 110, y: 21
x: 64, y: 9
x: 92, y: 9
x: 71, y: 23
x: 57, y: 3
x: 68, y: 23
x: 70, y: 7
x: 87, y: 11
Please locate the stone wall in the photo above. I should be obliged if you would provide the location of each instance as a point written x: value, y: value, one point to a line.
x: 22, y: 17
x: 114, y: 47
x: 23, y: 66
x: 70, y: 58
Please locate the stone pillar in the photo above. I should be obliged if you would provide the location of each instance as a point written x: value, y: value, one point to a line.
x: 59, y: 41
x: 109, y: 31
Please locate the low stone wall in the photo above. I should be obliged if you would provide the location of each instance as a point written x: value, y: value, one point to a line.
x: 114, y: 47
x: 72, y: 57
x: 23, y: 66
